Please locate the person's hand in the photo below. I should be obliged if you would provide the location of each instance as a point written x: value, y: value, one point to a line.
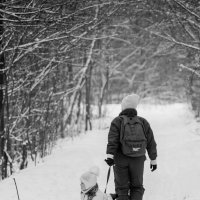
x: 109, y: 161
x: 114, y: 196
x: 153, y: 165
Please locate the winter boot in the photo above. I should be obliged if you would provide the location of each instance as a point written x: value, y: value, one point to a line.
x: 136, y: 193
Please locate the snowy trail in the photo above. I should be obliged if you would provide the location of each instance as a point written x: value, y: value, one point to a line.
x: 177, y: 177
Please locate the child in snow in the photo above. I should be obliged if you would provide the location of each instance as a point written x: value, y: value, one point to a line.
x: 89, y: 186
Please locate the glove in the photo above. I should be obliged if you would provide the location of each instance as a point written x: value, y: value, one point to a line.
x: 114, y: 196
x: 109, y: 161
x: 153, y: 165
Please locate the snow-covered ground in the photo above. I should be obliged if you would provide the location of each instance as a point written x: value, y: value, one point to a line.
x: 177, y: 178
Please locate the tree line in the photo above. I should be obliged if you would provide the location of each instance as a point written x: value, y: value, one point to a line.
x: 58, y: 58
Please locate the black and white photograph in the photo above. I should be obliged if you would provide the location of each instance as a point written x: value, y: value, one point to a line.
x: 99, y: 99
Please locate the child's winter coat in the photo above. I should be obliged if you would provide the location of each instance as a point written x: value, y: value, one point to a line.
x: 99, y: 196
x: 89, y: 186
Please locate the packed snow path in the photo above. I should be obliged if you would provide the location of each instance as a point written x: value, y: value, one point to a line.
x: 177, y: 176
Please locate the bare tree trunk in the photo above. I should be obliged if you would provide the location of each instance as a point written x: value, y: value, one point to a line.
x: 70, y: 79
x: 45, y: 133
x: 3, y: 162
x: 79, y: 107
x: 103, y: 91
x: 62, y: 134
x: 24, y: 162
x: 88, y: 97
x: 28, y: 124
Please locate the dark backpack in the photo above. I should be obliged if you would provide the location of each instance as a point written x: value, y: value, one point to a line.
x: 132, y: 137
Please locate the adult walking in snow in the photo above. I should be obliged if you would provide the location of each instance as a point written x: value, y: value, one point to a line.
x: 128, y: 139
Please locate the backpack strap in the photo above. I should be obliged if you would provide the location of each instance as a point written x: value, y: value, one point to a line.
x: 122, y: 117
x: 142, y: 124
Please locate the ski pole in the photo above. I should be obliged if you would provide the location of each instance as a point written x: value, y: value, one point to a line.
x: 108, y: 176
x: 16, y: 188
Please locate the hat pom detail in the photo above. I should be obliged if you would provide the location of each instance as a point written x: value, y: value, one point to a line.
x: 94, y: 170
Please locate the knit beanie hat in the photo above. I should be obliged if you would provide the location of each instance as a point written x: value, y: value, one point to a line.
x: 89, y: 178
x: 130, y: 101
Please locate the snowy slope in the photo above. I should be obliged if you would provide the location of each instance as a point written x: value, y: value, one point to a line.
x: 177, y: 177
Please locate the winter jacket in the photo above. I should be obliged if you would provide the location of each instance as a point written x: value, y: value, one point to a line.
x: 113, y: 145
x: 99, y: 196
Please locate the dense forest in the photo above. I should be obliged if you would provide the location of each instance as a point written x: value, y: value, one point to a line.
x: 60, y: 57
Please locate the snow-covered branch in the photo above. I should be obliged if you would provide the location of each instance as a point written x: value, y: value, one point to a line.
x: 190, y: 69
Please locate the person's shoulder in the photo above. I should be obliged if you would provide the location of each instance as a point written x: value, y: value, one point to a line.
x: 144, y: 120
x: 116, y: 119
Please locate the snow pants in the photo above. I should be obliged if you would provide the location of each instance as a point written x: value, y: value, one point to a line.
x: 128, y: 173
